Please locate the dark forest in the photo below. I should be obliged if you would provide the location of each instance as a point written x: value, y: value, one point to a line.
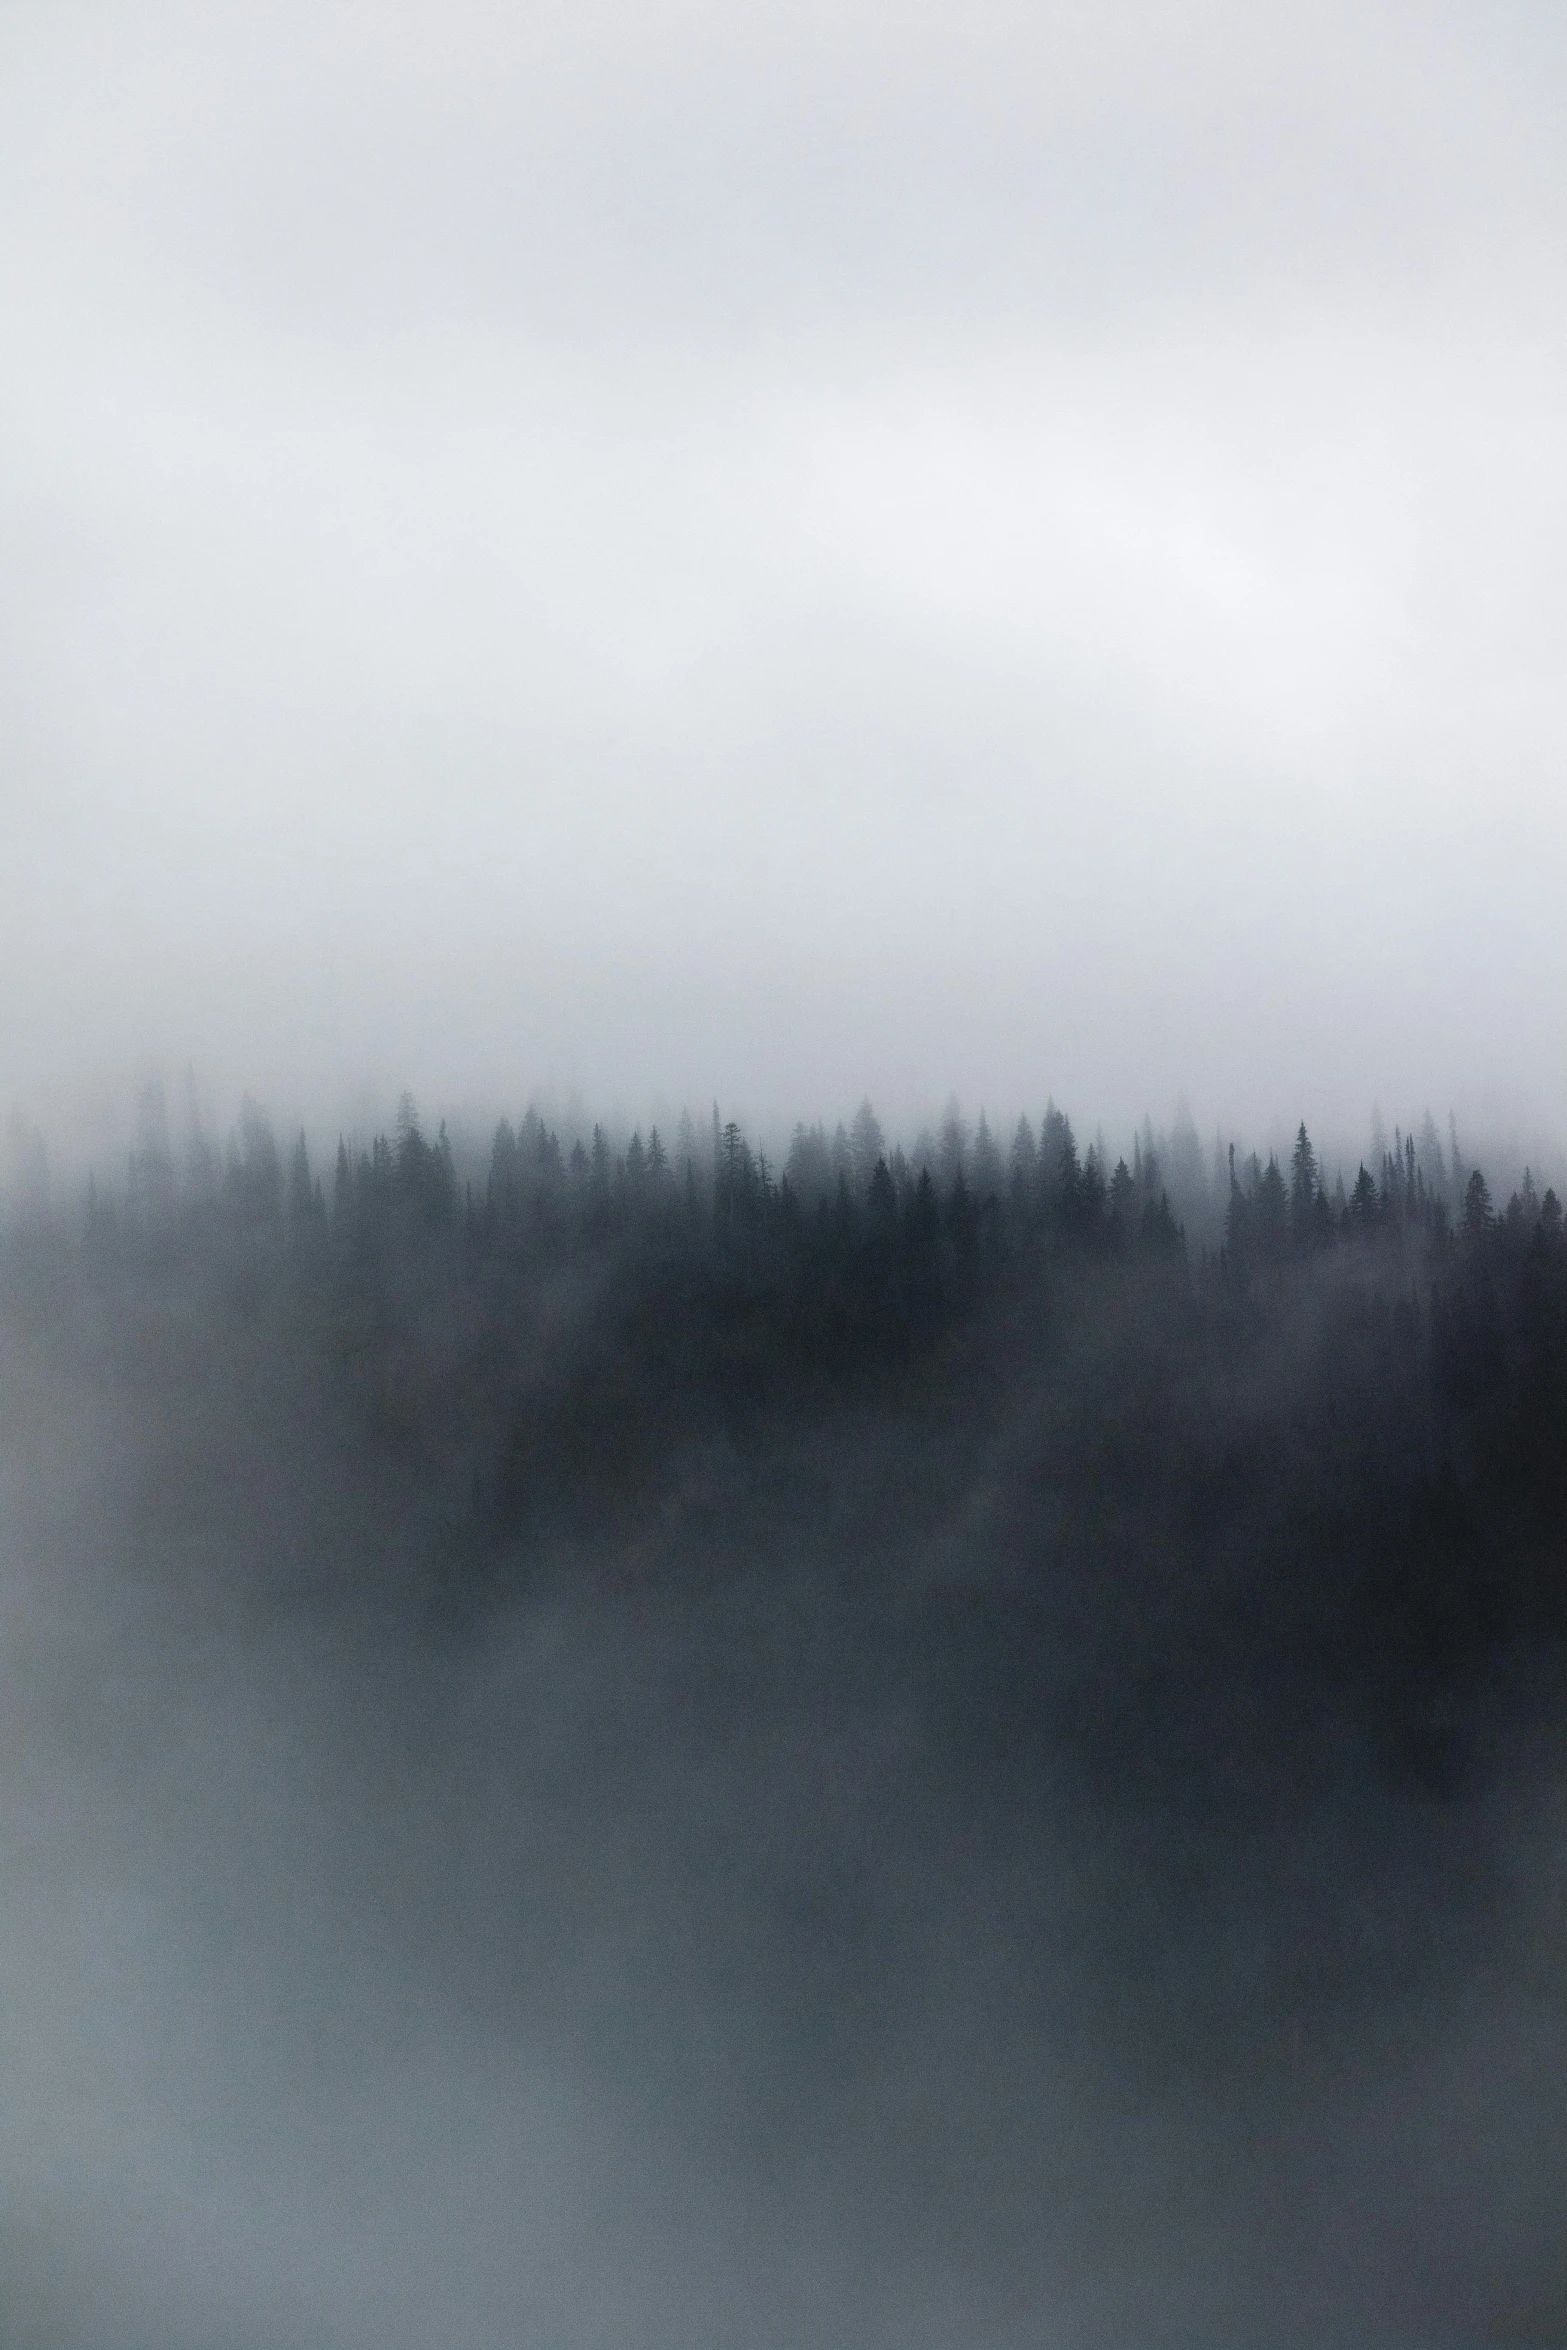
x: 556, y: 1347
x: 1026, y: 1674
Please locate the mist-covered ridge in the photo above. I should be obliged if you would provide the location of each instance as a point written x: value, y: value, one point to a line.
x: 623, y: 1744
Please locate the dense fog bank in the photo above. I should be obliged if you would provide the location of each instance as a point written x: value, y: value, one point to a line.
x: 649, y: 1758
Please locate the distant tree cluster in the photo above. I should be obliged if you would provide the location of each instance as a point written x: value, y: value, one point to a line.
x: 937, y: 1220
x: 852, y: 1254
x: 1271, y: 1219
x: 1360, y: 1385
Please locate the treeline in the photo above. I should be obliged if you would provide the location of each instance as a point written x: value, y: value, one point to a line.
x: 1348, y: 1401
x: 961, y: 1194
x: 1271, y: 1217
x: 696, y: 1268
x: 849, y: 1251
x: 955, y: 1193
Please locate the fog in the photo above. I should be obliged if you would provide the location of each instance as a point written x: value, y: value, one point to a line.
x: 784, y: 552
x: 941, y: 1735
x: 553, y: 1794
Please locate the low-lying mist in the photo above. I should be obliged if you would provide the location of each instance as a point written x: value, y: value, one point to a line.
x: 664, y: 1757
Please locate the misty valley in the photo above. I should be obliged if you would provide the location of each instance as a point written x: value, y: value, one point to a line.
x: 608, y: 1741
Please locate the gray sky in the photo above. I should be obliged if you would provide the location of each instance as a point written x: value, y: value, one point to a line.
x: 785, y: 550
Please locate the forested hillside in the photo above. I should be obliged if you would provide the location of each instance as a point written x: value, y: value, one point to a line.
x: 1363, y: 1392
x: 977, y: 1760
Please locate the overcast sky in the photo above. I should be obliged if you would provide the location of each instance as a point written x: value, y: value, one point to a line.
x: 782, y: 551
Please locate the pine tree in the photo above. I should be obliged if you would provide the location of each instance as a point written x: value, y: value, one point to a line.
x: 867, y: 1147
x: 1478, y: 1216
x: 1303, y: 1188
x: 301, y: 1194
x: 987, y: 1162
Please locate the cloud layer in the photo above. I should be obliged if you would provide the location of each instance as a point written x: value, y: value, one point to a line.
x: 785, y: 550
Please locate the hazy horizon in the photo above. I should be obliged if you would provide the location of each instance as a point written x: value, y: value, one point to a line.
x: 56, y: 1165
